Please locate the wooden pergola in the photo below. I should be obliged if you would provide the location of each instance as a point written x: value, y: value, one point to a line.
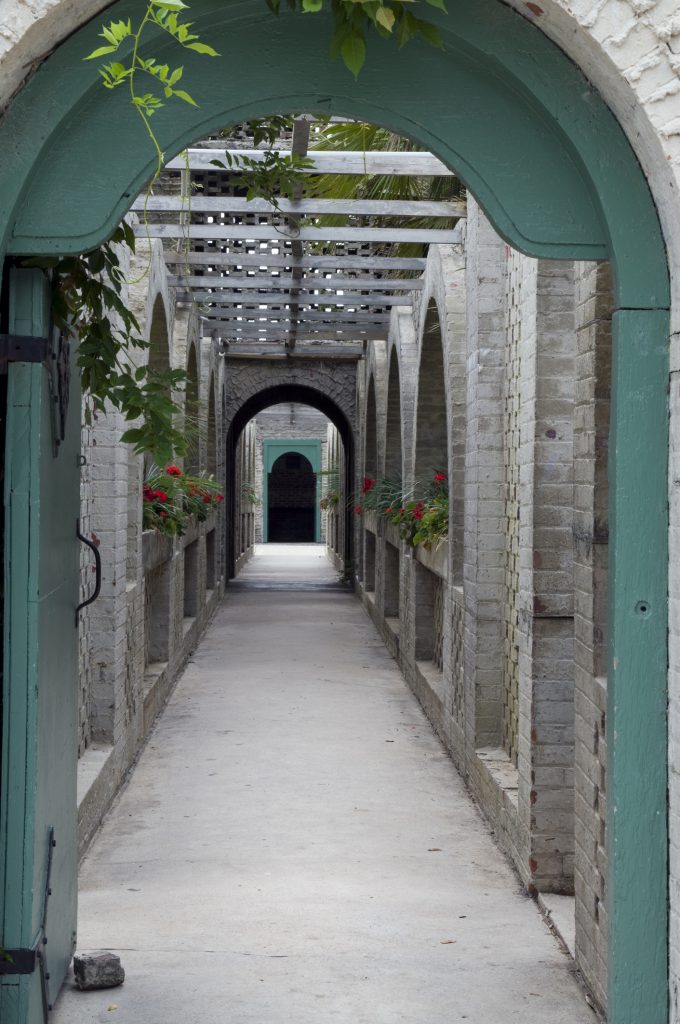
x: 267, y: 277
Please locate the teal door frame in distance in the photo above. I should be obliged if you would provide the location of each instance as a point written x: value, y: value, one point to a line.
x: 272, y: 449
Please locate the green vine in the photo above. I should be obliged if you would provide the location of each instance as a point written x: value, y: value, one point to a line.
x: 88, y: 304
x: 164, y: 15
x: 88, y: 289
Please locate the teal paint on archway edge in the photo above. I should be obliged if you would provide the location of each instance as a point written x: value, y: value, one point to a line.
x: 554, y: 172
x: 272, y: 449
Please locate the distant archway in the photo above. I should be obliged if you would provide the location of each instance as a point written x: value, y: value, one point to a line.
x: 291, y: 500
x: 263, y: 399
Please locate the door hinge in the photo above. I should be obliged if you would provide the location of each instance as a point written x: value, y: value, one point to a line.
x: 22, y: 348
x: 17, y: 961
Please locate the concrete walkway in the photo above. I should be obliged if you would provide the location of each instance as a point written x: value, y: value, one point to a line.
x: 295, y: 847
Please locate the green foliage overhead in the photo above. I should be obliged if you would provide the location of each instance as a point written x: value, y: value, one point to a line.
x: 88, y: 304
x: 355, y: 19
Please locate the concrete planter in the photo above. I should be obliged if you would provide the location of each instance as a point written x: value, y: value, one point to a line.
x: 392, y: 533
x: 436, y: 559
x: 156, y: 549
x: 371, y: 521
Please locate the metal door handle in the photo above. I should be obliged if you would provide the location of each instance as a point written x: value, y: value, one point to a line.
x: 98, y: 572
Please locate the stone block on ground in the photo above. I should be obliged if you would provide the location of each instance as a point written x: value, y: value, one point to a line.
x: 98, y: 970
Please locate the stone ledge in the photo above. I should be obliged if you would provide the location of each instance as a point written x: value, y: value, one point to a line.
x: 435, y: 559
x: 156, y: 549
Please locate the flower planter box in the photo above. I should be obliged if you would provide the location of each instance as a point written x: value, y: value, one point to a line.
x: 392, y: 533
x: 436, y: 558
x: 370, y: 521
x: 156, y: 549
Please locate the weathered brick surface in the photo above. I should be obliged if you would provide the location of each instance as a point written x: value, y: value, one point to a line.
x: 511, y: 611
x: 136, y: 637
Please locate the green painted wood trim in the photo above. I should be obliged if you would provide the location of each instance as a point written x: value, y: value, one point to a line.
x: 272, y: 448
x: 637, y: 681
x: 568, y: 185
x: 29, y: 315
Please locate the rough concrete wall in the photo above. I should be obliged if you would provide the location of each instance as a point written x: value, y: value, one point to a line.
x: 545, y: 599
x: 521, y: 378
x: 139, y: 632
x: 520, y: 322
x: 591, y: 533
x: 484, y: 482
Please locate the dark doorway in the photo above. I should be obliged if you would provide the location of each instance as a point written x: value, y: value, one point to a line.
x: 292, y: 500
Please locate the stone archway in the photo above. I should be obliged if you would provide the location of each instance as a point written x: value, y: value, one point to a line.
x: 569, y: 186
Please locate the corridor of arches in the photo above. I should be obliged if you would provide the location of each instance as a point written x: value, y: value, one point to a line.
x: 491, y: 451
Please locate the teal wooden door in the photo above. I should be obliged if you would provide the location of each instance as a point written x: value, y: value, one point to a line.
x: 40, y: 665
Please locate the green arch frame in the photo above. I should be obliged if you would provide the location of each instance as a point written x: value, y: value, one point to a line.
x: 273, y: 450
x: 554, y: 172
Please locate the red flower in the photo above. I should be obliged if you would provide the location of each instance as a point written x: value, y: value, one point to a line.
x: 173, y: 471
x: 358, y: 510
x: 417, y: 514
x: 160, y: 495
x: 367, y: 484
x: 439, y: 478
x: 401, y: 511
x: 389, y: 511
x: 220, y: 497
x: 206, y: 499
x: 162, y: 513
x: 148, y: 493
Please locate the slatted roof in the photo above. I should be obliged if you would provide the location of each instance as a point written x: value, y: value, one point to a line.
x: 268, y: 278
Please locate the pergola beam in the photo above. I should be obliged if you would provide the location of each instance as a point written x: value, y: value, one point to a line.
x: 307, y: 284
x: 269, y: 232
x: 263, y: 316
x: 232, y: 331
x: 414, y: 165
x: 217, y: 258
x: 302, y: 207
x: 255, y: 301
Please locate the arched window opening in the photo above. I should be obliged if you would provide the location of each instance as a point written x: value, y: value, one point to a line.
x: 211, y: 439
x: 291, y: 500
x: 393, y: 442
x: 371, y: 436
x: 370, y: 473
x: 431, y: 422
x: 192, y: 459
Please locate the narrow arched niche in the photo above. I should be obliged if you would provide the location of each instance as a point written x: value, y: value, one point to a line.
x: 393, y: 433
x: 192, y: 459
x: 431, y: 449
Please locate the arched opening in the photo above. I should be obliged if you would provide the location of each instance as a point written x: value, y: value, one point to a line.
x: 393, y: 471
x: 431, y: 439
x: 159, y: 348
x: 292, y: 500
x: 393, y: 433
x: 243, y: 419
x: 211, y: 437
x: 192, y: 421
x: 371, y: 438
x: 553, y: 195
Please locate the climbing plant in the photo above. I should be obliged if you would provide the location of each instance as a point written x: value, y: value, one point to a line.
x: 88, y: 301
x: 88, y: 289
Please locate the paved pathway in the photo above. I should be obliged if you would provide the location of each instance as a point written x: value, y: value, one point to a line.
x: 296, y: 848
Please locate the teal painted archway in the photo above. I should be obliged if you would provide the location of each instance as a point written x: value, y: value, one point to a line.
x: 555, y: 174
x: 273, y: 449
